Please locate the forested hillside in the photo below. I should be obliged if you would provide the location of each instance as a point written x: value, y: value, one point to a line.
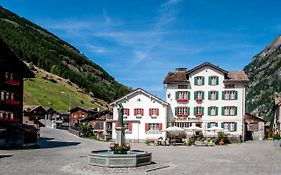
x: 45, y: 50
x: 265, y: 76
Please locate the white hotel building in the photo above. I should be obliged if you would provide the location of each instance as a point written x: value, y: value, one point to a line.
x: 144, y: 116
x: 207, y: 96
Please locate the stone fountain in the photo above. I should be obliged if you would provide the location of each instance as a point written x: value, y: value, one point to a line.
x: 120, y: 154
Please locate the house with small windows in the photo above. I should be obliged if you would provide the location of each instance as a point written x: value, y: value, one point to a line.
x: 145, y: 116
x: 207, y: 96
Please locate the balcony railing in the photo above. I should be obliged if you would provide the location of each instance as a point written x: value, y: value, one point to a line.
x: 9, y: 120
x: 12, y: 82
x: 199, y: 100
x: 11, y: 102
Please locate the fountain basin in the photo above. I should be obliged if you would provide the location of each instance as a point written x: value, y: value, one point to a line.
x: 106, y: 158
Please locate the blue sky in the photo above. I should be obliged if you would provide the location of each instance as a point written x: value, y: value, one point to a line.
x: 139, y: 42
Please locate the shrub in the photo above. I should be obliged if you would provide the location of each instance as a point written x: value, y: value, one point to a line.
x: 276, y: 137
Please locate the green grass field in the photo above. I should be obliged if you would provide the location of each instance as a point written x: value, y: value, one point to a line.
x: 39, y: 91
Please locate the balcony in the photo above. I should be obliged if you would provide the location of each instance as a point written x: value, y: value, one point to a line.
x: 11, y: 102
x: 9, y: 120
x: 12, y: 82
x: 182, y: 100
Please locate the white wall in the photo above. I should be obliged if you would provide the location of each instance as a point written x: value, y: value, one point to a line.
x: 141, y: 100
x: 206, y: 72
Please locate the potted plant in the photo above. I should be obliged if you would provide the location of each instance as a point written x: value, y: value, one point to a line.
x: 147, y: 142
x: 276, y: 140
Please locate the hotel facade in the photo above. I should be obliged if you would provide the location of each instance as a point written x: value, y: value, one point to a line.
x: 207, y: 96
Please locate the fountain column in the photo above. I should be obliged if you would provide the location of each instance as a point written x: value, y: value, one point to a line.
x: 120, y: 130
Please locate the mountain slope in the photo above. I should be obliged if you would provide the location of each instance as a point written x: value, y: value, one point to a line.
x: 35, y: 44
x: 46, y: 90
x: 265, y: 75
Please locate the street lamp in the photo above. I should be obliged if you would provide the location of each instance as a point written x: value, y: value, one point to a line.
x: 69, y: 104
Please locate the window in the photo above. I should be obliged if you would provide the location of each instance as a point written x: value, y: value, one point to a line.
x: 183, y: 124
x: 6, y: 75
x: 153, y: 112
x: 212, y: 124
x: 229, y: 110
x: 1, y: 115
x: 153, y: 127
x: 128, y: 126
x: 126, y: 112
x: 199, y: 95
x: 138, y: 112
x: 213, y: 80
x: 11, y: 76
x: 11, y: 116
x: 213, y: 111
x: 213, y: 95
x: 182, y: 96
x: 12, y: 96
x: 7, y: 95
x: 199, y: 80
x: 2, y: 95
x: 229, y: 126
x: 182, y: 111
x: 229, y: 95
x: 182, y: 86
x: 198, y: 111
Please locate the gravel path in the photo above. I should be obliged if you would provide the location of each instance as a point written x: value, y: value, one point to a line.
x: 62, y: 153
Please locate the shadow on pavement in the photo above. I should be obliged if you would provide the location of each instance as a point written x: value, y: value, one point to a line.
x: 44, y: 142
x: 3, y: 156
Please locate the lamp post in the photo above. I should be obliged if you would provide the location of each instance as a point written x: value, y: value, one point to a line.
x: 69, y: 104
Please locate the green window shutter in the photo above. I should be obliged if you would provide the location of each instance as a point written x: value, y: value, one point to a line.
x: 235, y: 110
x: 195, y: 81
x: 203, y: 94
x: 222, y: 125
x: 222, y: 111
x: 176, y: 111
x: 210, y: 80
x: 202, y: 110
x: 188, y: 95
x: 235, y: 126
x: 236, y: 95
x: 223, y: 95
x: 203, y: 80
x: 217, y: 95
x: 208, y: 125
x: 195, y: 95
x: 209, y: 110
x: 217, y: 110
x: 177, y: 95
x: 188, y: 110
x: 216, y: 124
x: 217, y: 79
x: 209, y: 95
x: 194, y: 110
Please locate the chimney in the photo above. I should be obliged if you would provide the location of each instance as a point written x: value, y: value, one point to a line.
x: 181, y: 69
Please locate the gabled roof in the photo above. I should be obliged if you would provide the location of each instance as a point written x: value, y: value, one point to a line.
x: 181, y: 76
x: 139, y: 90
x: 8, y: 57
x: 237, y: 76
x: 208, y: 65
x: 95, y: 116
x: 82, y: 109
x: 31, y: 108
x: 176, y: 77
x: 253, y: 116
